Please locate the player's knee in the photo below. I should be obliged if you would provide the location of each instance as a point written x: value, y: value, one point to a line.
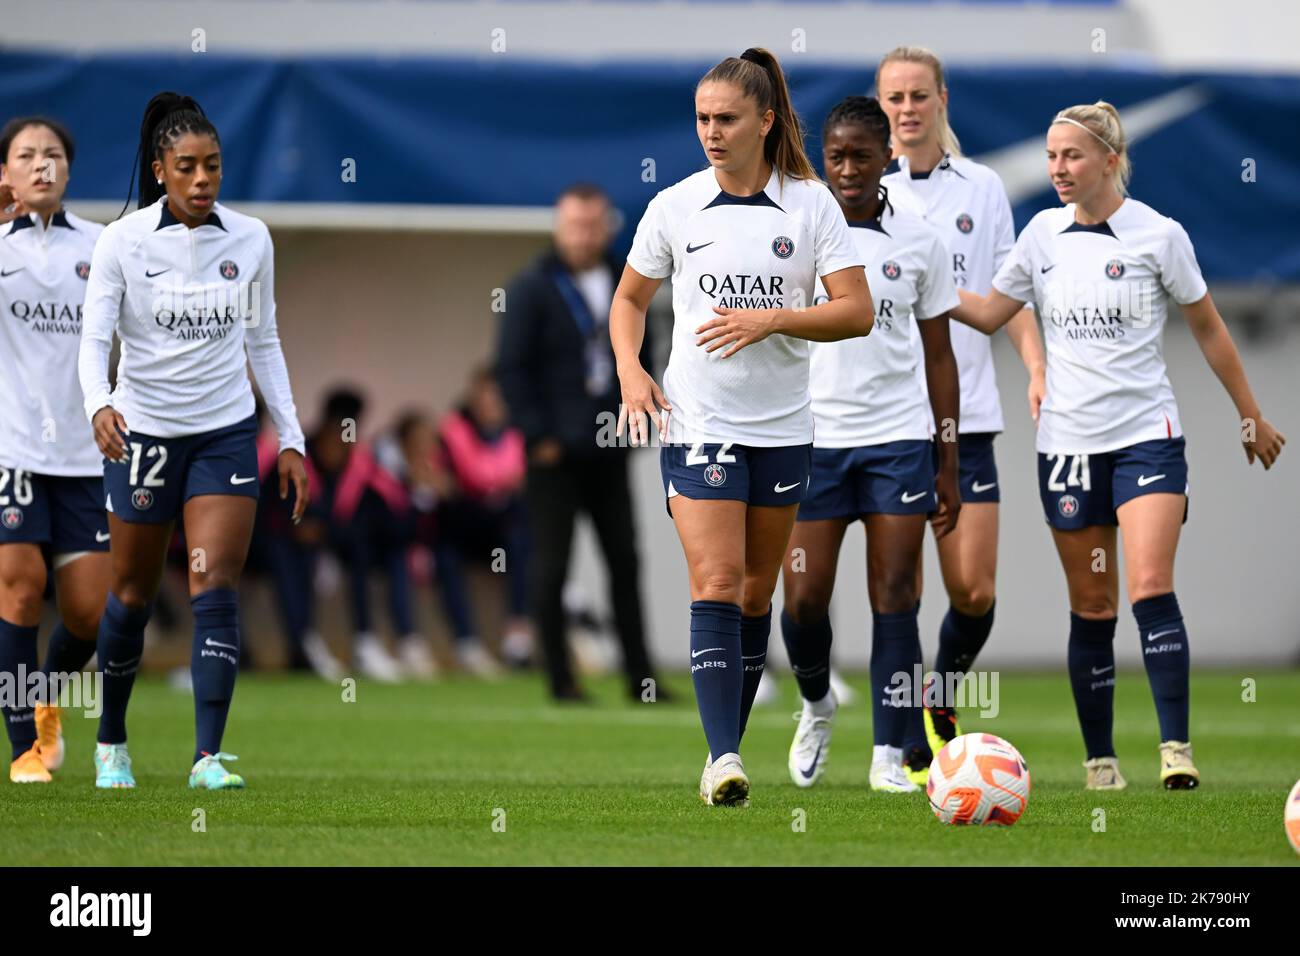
x: 895, y: 591
x: 1094, y: 607
x: 82, y: 621
x: 1147, y: 585
x: 756, y: 600
x: 23, y: 597
x: 213, y: 579
x: 972, y: 599
x: 720, y: 585
x: 808, y: 608
x: 132, y: 597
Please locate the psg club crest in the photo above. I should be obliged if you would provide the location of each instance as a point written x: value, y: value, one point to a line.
x: 1114, y: 269
x: 229, y: 270
x: 783, y: 247
x: 715, y: 474
x: 11, y: 518
x: 965, y: 223
x: 142, y: 499
x: 83, y: 270
x: 1068, y: 505
x: 891, y: 269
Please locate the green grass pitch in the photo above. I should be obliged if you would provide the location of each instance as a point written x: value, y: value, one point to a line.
x: 419, y: 774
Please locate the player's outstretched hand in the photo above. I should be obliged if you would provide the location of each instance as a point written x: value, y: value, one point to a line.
x: 292, y: 469
x: 109, y: 427
x: 642, y: 399
x: 945, y: 519
x: 736, y: 327
x: 1267, y: 444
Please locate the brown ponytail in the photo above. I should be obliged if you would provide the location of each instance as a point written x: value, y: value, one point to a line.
x: 759, y: 76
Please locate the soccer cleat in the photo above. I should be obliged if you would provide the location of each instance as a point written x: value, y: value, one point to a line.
x: 1176, y: 769
x: 208, y: 774
x: 374, y: 661
x: 475, y: 660
x: 811, y: 746
x: 887, y: 774
x: 725, y: 783
x: 940, y: 727
x: 844, y: 694
x: 1103, y: 774
x: 49, y: 734
x: 917, y: 766
x: 319, y: 657
x: 767, y: 691
x: 28, y: 767
x: 417, y: 660
x: 113, y: 767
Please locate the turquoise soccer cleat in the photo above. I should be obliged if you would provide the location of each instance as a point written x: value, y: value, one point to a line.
x: 113, y: 767
x: 208, y: 774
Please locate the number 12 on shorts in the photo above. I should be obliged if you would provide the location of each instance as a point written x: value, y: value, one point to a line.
x: 1079, y: 476
x: 151, y: 479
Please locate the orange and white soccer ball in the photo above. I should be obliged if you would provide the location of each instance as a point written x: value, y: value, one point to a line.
x: 978, y: 780
x: 1291, y: 817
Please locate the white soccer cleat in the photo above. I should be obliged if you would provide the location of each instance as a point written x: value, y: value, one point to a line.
x: 811, y: 745
x: 417, y: 659
x: 1103, y: 774
x: 888, y: 775
x: 1177, y: 772
x: 725, y: 783
x: 374, y: 661
x: 767, y: 691
x: 319, y: 657
x: 844, y: 694
x: 474, y: 659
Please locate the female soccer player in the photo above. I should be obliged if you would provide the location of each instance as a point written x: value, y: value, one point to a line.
x: 744, y: 241
x: 50, y: 492
x: 967, y: 203
x: 872, y: 456
x: 187, y: 284
x: 1101, y: 271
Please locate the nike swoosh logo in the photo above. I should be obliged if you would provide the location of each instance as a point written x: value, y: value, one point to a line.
x: 1023, y: 168
x: 134, y: 660
x: 705, y: 651
x: 908, y: 499
x: 150, y: 275
x: 1098, y: 671
x: 691, y: 248
x: 778, y: 487
x: 807, y: 774
x: 976, y: 487
x: 1143, y: 480
x: 102, y: 536
x: 1172, y: 630
x: 1048, y: 268
x: 211, y: 643
x: 5, y: 275
x: 236, y: 480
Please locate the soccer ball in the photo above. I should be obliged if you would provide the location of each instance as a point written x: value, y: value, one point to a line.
x: 978, y: 779
x: 1291, y: 818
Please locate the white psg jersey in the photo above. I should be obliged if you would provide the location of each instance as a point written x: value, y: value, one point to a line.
x: 186, y: 303
x: 43, y: 273
x: 968, y: 204
x: 747, y: 252
x: 865, y: 391
x: 1102, y: 293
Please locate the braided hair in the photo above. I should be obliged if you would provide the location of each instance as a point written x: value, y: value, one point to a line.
x: 167, y: 118
x: 866, y: 112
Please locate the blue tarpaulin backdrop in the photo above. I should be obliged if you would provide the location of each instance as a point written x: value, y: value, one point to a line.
x: 511, y: 132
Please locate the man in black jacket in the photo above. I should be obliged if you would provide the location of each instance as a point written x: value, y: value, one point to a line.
x: 556, y: 370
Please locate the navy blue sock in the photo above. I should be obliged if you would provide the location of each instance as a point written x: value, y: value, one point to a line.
x: 214, y: 664
x: 715, y: 671
x: 754, y: 632
x: 809, y: 648
x: 1091, y: 662
x: 895, y: 648
x: 17, y: 661
x: 120, y: 644
x: 915, y: 739
x: 67, y: 653
x: 1168, y: 661
x: 960, y: 639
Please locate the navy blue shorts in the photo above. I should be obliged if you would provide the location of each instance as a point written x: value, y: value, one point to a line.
x: 977, y: 469
x: 1080, y: 491
x: 896, y: 478
x: 161, y: 474
x: 65, y: 513
x: 769, y: 477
